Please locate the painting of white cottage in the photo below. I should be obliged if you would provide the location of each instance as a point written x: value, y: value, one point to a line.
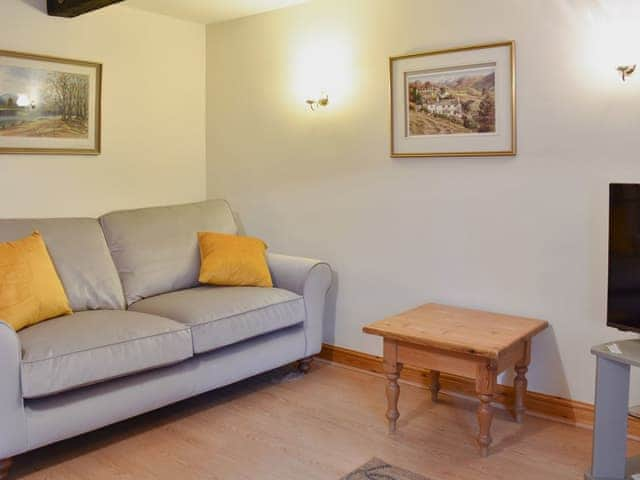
x: 452, y: 101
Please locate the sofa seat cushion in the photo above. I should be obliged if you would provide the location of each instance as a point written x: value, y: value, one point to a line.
x: 221, y: 316
x: 93, y: 346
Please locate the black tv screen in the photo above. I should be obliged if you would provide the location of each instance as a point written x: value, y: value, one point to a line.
x: 623, y: 301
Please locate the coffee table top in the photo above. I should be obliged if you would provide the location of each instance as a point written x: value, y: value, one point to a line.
x: 458, y: 329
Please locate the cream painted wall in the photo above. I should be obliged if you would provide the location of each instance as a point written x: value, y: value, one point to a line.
x: 153, y: 135
x: 524, y: 235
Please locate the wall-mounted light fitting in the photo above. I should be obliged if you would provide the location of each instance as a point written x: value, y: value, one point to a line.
x: 323, y: 101
x: 626, y: 71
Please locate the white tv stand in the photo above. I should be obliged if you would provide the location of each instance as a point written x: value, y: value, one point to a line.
x: 609, y: 457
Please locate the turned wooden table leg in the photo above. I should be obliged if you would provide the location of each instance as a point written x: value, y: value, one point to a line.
x: 520, y: 382
x: 392, y: 370
x: 434, y: 387
x: 5, y: 466
x: 305, y: 364
x: 520, y: 385
x: 485, y: 387
x: 393, y: 394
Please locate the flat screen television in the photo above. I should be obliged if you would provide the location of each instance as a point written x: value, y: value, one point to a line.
x: 623, y: 300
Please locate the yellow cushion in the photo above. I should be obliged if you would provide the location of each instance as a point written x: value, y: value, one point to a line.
x: 30, y: 290
x: 233, y: 260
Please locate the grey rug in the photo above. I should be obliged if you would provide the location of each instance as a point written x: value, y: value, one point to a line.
x: 376, y: 469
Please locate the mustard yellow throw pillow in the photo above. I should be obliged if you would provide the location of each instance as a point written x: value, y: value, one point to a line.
x: 30, y: 289
x: 233, y: 260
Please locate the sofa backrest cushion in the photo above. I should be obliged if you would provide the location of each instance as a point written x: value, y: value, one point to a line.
x: 80, y: 255
x: 156, y: 249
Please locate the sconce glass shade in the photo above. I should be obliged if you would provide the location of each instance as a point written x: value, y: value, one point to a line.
x: 323, y: 101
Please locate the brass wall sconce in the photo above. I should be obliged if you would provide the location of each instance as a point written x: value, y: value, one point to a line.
x: 323, y: 101
x: 626, y: 71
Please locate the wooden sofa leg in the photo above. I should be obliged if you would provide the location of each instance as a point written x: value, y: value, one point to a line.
x: 5, y: 465
x: 304, y: 366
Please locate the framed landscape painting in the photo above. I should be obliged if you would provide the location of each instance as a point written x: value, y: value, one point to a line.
x: 454, y: 103
x: 49, y: 105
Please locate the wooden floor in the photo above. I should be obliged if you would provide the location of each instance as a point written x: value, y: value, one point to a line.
x: 320, y: 426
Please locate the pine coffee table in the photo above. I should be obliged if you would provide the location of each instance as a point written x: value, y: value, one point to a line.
x: 469, y: 343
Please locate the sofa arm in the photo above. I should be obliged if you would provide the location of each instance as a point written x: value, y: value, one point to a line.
x: 311, y: 279
x: 13, y: 428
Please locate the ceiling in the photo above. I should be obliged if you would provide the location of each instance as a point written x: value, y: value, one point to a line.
x: 210, y: 11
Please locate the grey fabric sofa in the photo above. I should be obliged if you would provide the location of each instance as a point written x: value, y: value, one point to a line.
x: 144, y: 333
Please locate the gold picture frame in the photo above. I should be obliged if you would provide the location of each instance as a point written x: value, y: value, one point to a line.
x: 49, y: 105
x: 441, y: 102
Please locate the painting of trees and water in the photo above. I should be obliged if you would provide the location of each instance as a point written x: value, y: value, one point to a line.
x: 49, y: 105
x: 43, y: 103
x: 449, y: 102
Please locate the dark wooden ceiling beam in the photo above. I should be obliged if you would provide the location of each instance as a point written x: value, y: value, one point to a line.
x: 73, y: 8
